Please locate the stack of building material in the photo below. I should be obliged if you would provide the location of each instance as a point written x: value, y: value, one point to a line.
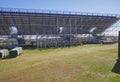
x: 4, y: 53
x: 15, y: 52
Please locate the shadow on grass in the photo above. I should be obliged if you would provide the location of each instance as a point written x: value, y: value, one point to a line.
x: 116, y: 68
x: 8, y: 58
x: 32, y: 47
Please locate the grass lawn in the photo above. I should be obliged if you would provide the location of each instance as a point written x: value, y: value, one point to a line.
x: 88, y: 63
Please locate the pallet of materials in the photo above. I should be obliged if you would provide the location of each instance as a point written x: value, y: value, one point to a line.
x: 16, y: 52
x: 4, y: 53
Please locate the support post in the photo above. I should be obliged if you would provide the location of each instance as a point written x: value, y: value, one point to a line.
x: 116, y: 68
x: 118, y: 48
x: 70, y: 34
x: 37, y: 40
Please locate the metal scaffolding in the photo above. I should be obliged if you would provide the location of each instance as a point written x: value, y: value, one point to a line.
x: 48, y: 28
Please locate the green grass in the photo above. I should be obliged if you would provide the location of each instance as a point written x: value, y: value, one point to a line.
x: 88, y: 63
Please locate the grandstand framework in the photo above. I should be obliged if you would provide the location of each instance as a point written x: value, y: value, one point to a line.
x: 55, y: 28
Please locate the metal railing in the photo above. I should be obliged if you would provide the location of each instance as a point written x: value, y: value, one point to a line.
x: 55, y: 12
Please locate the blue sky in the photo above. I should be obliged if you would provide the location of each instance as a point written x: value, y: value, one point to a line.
x: 97, y: 6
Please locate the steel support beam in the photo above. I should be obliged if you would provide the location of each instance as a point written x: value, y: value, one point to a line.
x: 116, y: 68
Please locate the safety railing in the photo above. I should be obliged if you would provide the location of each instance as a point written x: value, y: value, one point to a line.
x: 55, y: 12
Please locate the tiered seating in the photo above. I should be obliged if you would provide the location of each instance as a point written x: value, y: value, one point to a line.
x: 30, y: 23
x: 46, y: 23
